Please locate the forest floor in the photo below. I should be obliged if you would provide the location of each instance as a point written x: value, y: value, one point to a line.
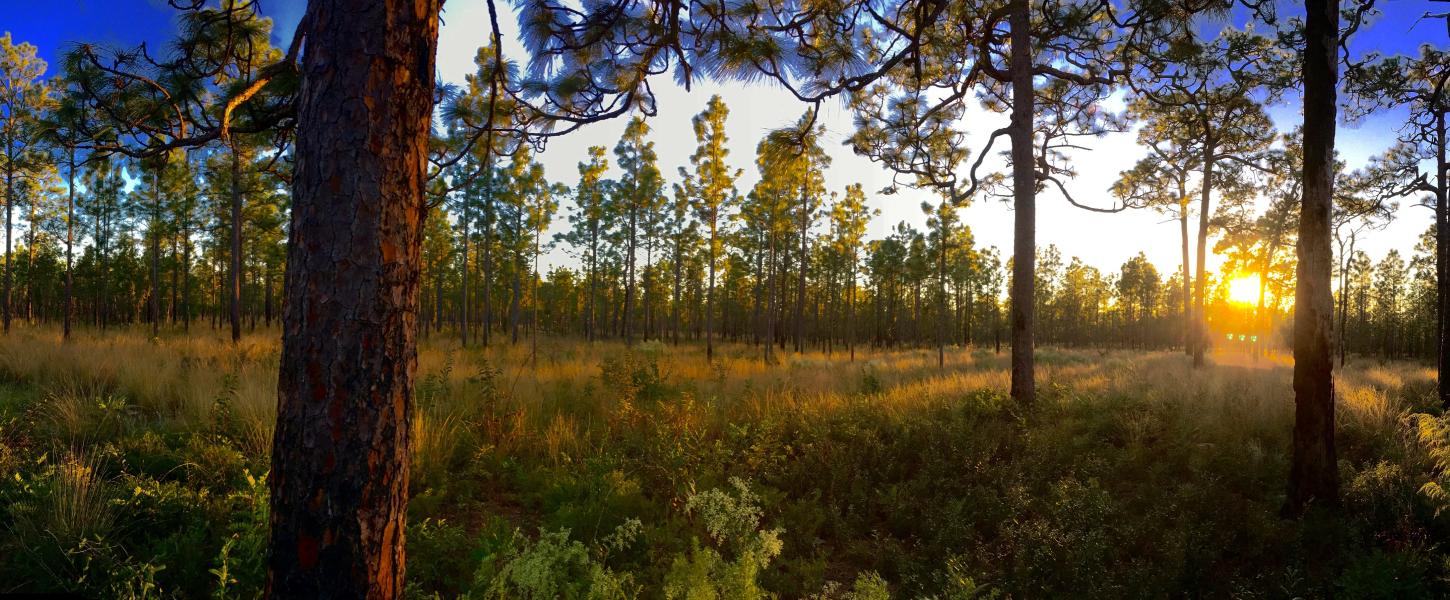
x: 132, y: 467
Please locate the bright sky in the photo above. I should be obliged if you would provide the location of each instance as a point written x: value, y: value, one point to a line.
x: 1105, y: 241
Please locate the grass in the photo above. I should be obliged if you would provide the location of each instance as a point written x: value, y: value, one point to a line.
x: 592, y: 470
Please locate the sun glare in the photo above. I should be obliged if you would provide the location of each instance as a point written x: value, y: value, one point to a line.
x: 1244, y: 289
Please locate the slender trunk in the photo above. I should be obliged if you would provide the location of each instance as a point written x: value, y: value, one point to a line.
x: 485, y: 330
x: 9, y: 204
x: 1442, y: 259
x: 629, y: 277
x: 675, y: 304
x: 267, y: 294
x: 173, y: 307
x: 771, y: 302
x: 800, y: 300
x: 186, y: 274
x: 234, y: 291
x: 1344, y: 292
x: 851, y: 306
x: 1200, y: 321
x: 30, y: 232
x: 464, y: 297
x: 1314, y: 470
x: 710, y: 299
x: 339, y: 479
x: 70, y: 218
x: 941, y: 298
x: 1187, y: 333
x: 515, y: 300
x: 155, y: 304
x: 534, y: 299
x: 1024, y: 182
x: 438, y: 303
x: 590, y: 324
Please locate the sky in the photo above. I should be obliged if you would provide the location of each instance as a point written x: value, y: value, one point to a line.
x: 1101, y: 240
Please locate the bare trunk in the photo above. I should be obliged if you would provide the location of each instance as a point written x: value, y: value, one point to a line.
x: 800, y: 299
x: 339, y: 479
x: 1200, y: 284
x: 1313, y: 470
x: 234, y: 281
x: 515, y: 300
x: 9, y: 204
x: 486, y: 326
x: 463, y: 294
x: 1442, y: 259
x: 710, y: 300
x: 155, y: 305
x: 1024, y: 193
x: 1344, y: 298
x: 1187, y: 275
x: 70, y: 218
x: 629, y: 278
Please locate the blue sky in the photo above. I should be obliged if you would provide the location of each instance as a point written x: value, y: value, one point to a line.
x: 1105, y: 241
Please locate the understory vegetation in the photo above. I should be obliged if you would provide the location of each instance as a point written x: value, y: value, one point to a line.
x: 595, y: 471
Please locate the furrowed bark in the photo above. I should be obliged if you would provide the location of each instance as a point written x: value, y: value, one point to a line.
x: 1313, y: 471
x: 1024, y: 193
x: 339, y: 477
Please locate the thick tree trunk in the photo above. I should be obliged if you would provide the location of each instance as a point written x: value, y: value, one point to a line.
x: 1024, y: 194
x: 1313, y: 471
x: 339, y: 477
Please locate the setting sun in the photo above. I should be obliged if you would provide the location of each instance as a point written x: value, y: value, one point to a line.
x: 1244, y: 289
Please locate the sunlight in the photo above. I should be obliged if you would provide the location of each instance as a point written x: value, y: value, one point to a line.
x: 1244, y: 289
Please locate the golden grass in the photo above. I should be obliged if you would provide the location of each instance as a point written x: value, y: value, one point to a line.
x: 554, y: 404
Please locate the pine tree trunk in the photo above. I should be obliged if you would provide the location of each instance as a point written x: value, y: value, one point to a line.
x: 710, y: 299
x: 234, y: 289
x: 1314, y: 471
x: 485, y: 329
x: 628, y: 309
x: 1200, y: 284
x: 800, y: 300
x: 463, y: 293
x: 9, y: 203
x: 1442, y: 258
x: 1024, y: 192
x: 1187, y: 275
x: 339, y: 479
x: 154, y: 306
x: 70, y: 219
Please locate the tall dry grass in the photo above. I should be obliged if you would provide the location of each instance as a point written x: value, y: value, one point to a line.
x: 555, y: 402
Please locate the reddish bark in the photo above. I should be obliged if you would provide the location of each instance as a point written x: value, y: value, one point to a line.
x: 340, y: 458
